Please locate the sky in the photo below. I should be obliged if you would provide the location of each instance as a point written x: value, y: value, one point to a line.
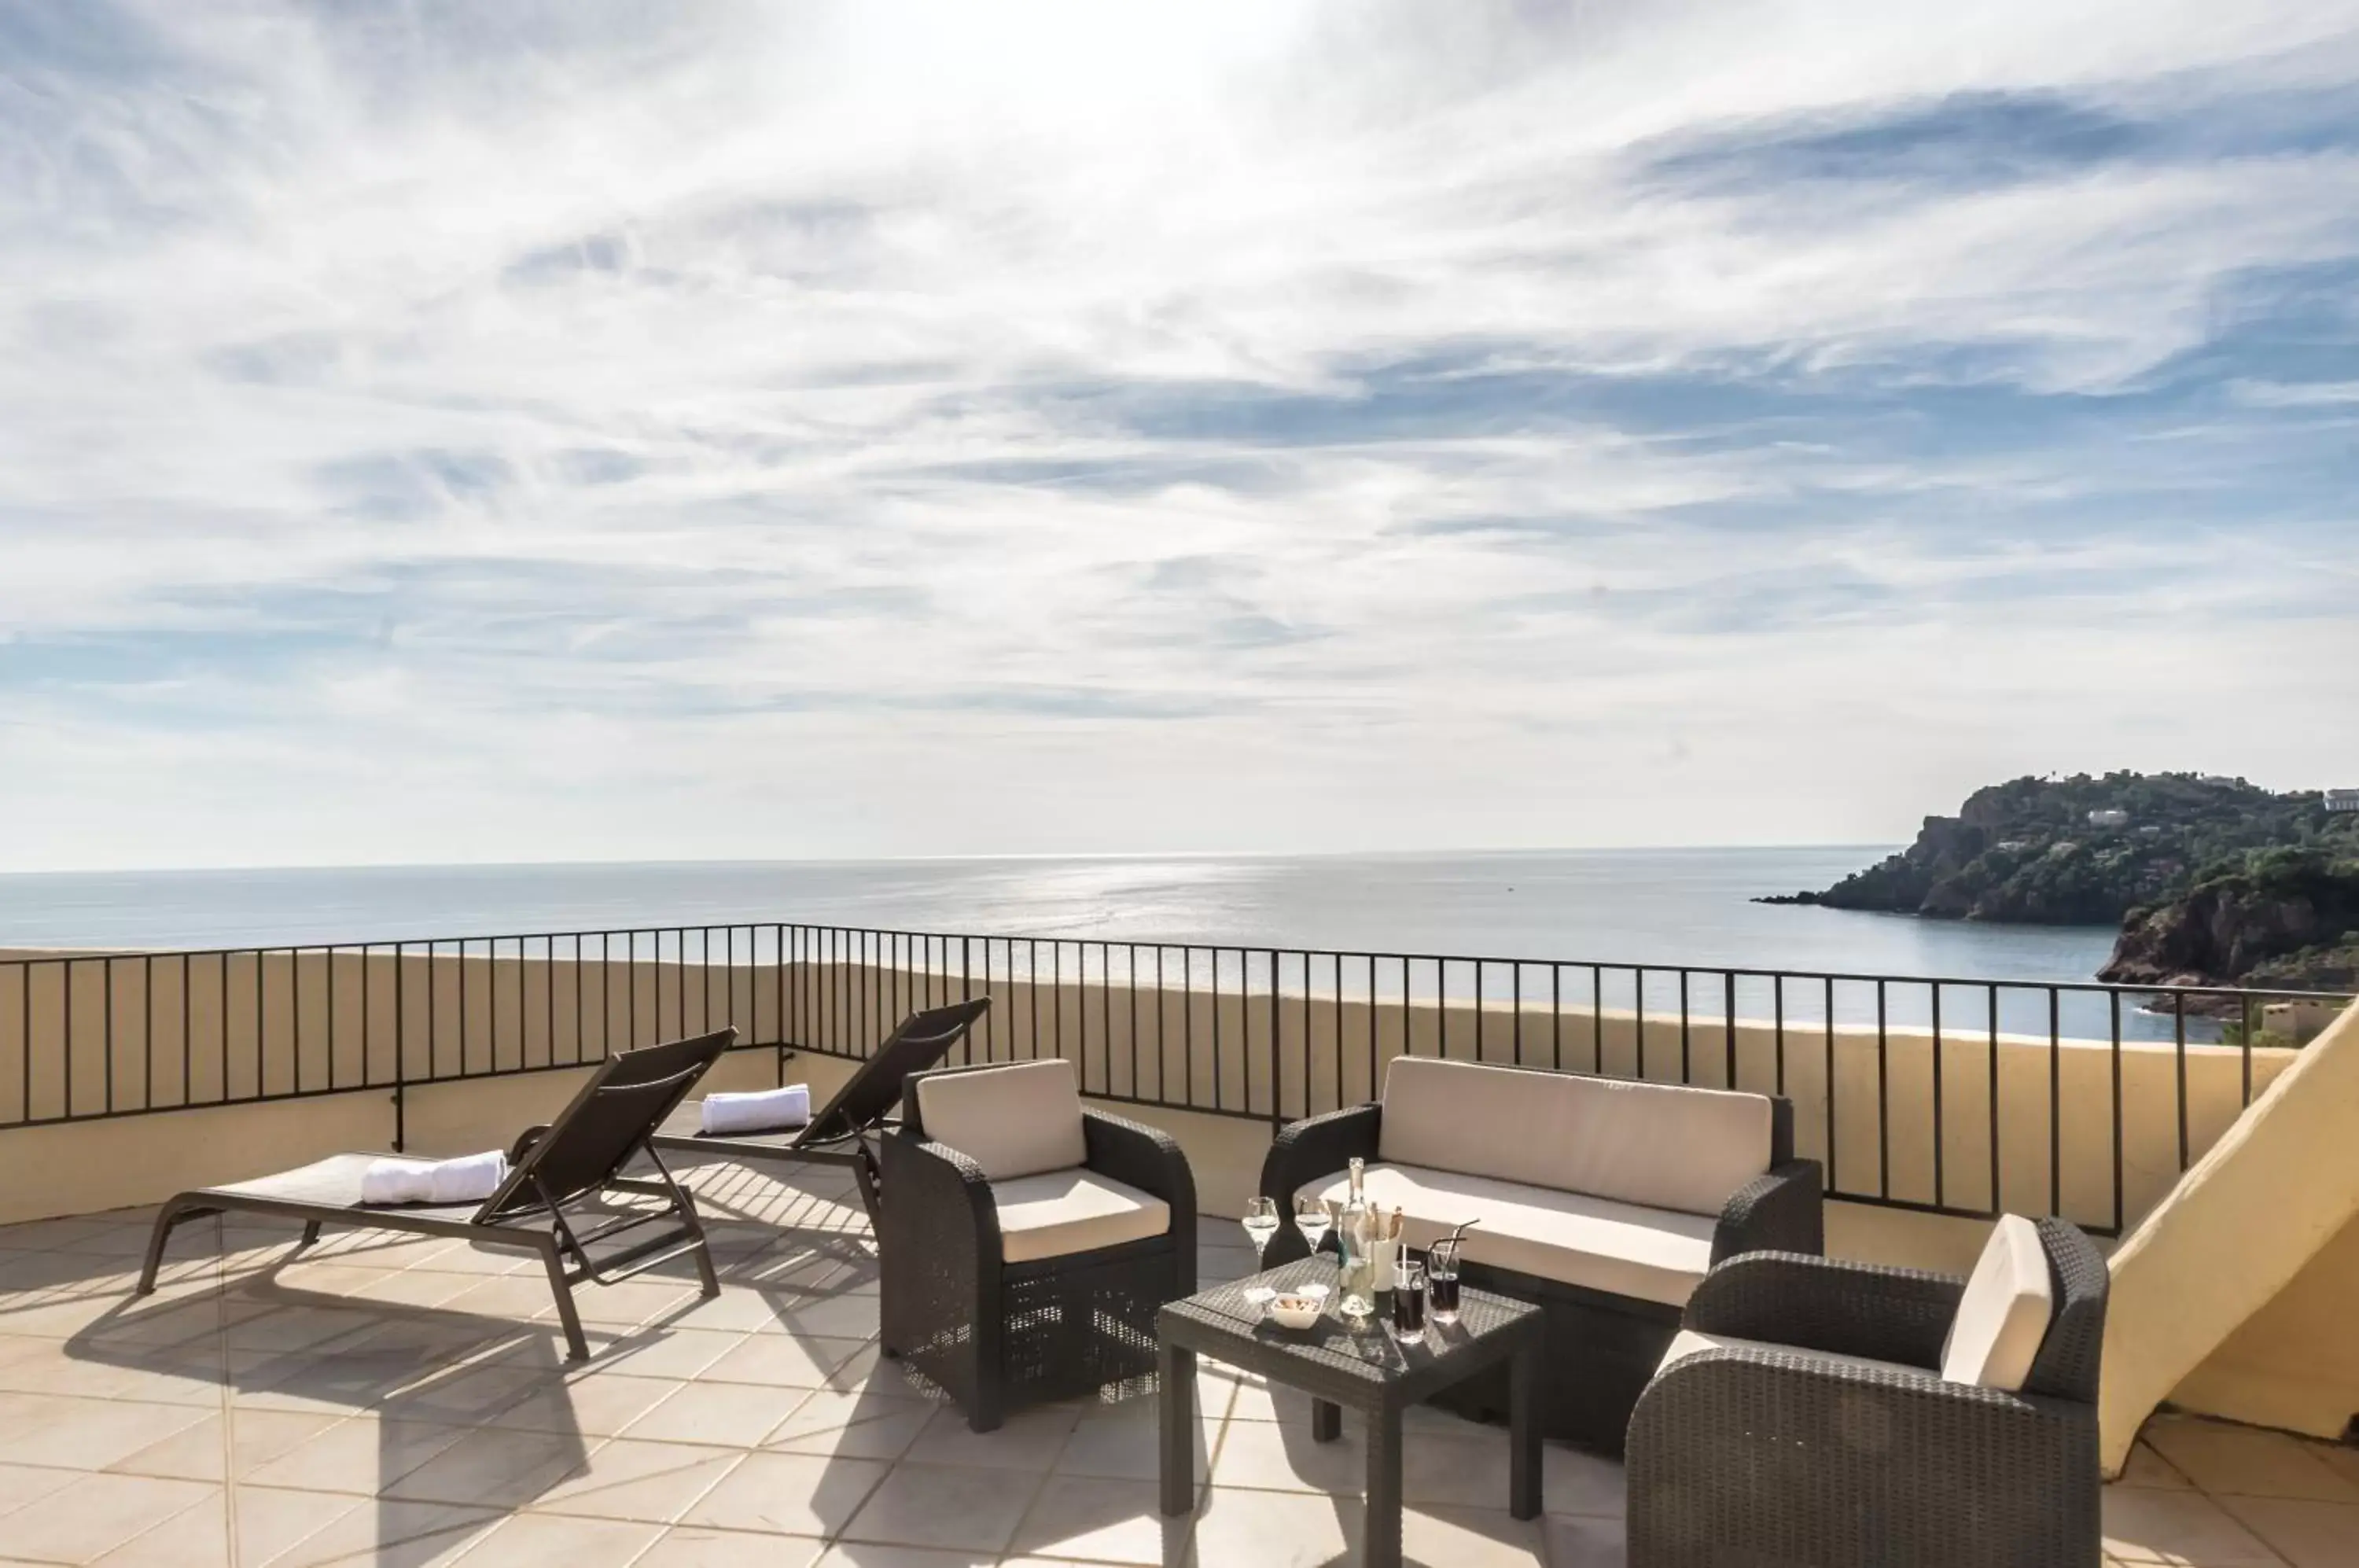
x: 489, y: 432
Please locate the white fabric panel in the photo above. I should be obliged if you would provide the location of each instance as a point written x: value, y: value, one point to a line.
x: 763, y: 1110
x: 1015, y: 1120
x: 470, y: 1179
x: 1060, y: 1212
x: 1662, y: 1145
x: 2004, y: 1315
x: 1654, y: 1255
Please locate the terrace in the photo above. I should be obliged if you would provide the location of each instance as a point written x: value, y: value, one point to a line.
x: 406, y: 1400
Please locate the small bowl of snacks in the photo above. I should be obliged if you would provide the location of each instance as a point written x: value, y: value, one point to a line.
x: 1297, y: 1309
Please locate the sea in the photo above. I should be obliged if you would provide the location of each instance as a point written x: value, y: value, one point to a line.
x: 1623, y: 908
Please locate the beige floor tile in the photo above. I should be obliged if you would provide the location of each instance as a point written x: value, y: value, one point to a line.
x: 826, y: 1316
x: 518, y: 1297
x: 298, y: 1328
x: 949, y: 1508
x: 413, y: 1288
x: 1472, y: 1537
x: 2148, y: 1468
x: 740, y: 1414
x: 364, y: 1455
x: 1281, y: 1456
x: 691, y: 1547
x: 83, y: 1522
x: 269, y: 1521
x: 84, y: 1434
x: 463, y: 1395
x: 1584, y: 1542
x: 872, y: 1554
x: 666, y: 1352
x: 789, y: 1494
x: 548, y: 1540
x: 737, y: 1310
x: 783, y: 1361
x: 2246, y: 1462
x: 381, y: 1532
x: 598, y: 1406
x: 494, y: 1467
x: 197, y: 1453
x: 2147, y: 1525
x: 30, y: 1365
x: 1101, y: 1521
x: 628, y: 1304
x: 466, y: 1258
x: 1455, y: 1471
x: 871, y: 1424
x: 22, y: 1484
x: 1028, y: 1441
x: 2308, y: 1534
x: 1276, y: 1530
x: 1124, y: 1443
x: 1572, y: 1482
x: 652, y: 1482
x: 1266, y: 1402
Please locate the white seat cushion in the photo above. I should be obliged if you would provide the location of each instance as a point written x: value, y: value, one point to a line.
x: 1655, y: 1254
x: 1689, y: 1342
x: 1062, y: 1212
x: 1661, y: 1145
x: 1014, y: 1120
x: 2004, y: 1315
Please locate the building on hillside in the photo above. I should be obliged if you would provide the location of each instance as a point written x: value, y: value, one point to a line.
x: 2342, y: 799
x: 2109, y: 817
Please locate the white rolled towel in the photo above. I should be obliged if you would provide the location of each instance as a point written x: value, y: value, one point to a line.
x: 765, y: 1110
x: 470, y: 1179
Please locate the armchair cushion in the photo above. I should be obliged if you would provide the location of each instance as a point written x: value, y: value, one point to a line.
x: 1661, y: 1145
x: 1626, y: 1249
x: 1058, y: 1212
x: 1690, y: 1342
x: 2004, y: 1315
x: 1014, y: 1120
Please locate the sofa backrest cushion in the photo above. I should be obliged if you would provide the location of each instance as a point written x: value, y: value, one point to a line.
x: 2004, y: 1315
x: 1017, y: 1120
x: 1662, y: 1145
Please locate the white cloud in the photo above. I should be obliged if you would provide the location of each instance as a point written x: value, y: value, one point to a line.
x: 583, y: 431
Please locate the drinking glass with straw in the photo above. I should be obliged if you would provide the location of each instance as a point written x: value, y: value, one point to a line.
x: 1441, y: 1274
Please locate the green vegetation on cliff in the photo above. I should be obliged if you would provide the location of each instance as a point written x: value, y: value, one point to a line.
x: 2213, y: 881
x: 2050, y: 851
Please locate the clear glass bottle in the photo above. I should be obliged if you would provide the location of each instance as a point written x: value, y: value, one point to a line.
x: 1356, y: 1244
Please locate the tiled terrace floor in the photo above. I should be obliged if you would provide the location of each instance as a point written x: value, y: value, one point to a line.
x: 406, y: 1402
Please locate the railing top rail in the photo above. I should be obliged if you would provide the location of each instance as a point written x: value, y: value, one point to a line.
x: 1381, y: 955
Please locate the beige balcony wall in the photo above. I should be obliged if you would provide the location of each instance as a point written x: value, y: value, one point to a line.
x: 209, y: 1028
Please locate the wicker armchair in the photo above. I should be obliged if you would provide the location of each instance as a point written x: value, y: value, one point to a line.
x: 1801, y: 1419
x: 1601, y: 1348
x: 1029, y: 1242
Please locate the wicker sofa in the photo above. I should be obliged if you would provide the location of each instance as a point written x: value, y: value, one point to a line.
x: 1846, y: 1416
x: 1026, y: 1243
x: 1605, y: 1201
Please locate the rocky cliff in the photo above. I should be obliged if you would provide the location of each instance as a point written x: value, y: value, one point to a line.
x: 2285, y: 919
x: 2084, y: 849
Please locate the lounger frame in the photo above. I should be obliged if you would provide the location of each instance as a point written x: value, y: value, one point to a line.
x: 842, y: 1131
x: 575, y: 1159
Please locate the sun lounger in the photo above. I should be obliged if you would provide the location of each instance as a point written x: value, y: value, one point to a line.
x: 839, y: 1134
x: 557, y: 1172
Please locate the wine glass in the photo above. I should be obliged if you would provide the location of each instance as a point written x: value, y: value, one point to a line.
x: 1261, y: 1224
x: 1312, y: 1218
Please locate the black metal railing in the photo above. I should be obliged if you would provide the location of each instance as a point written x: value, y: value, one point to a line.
x: 1944, y: 1095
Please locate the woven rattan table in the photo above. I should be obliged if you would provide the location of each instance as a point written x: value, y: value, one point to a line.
x: 1369, y: 1371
